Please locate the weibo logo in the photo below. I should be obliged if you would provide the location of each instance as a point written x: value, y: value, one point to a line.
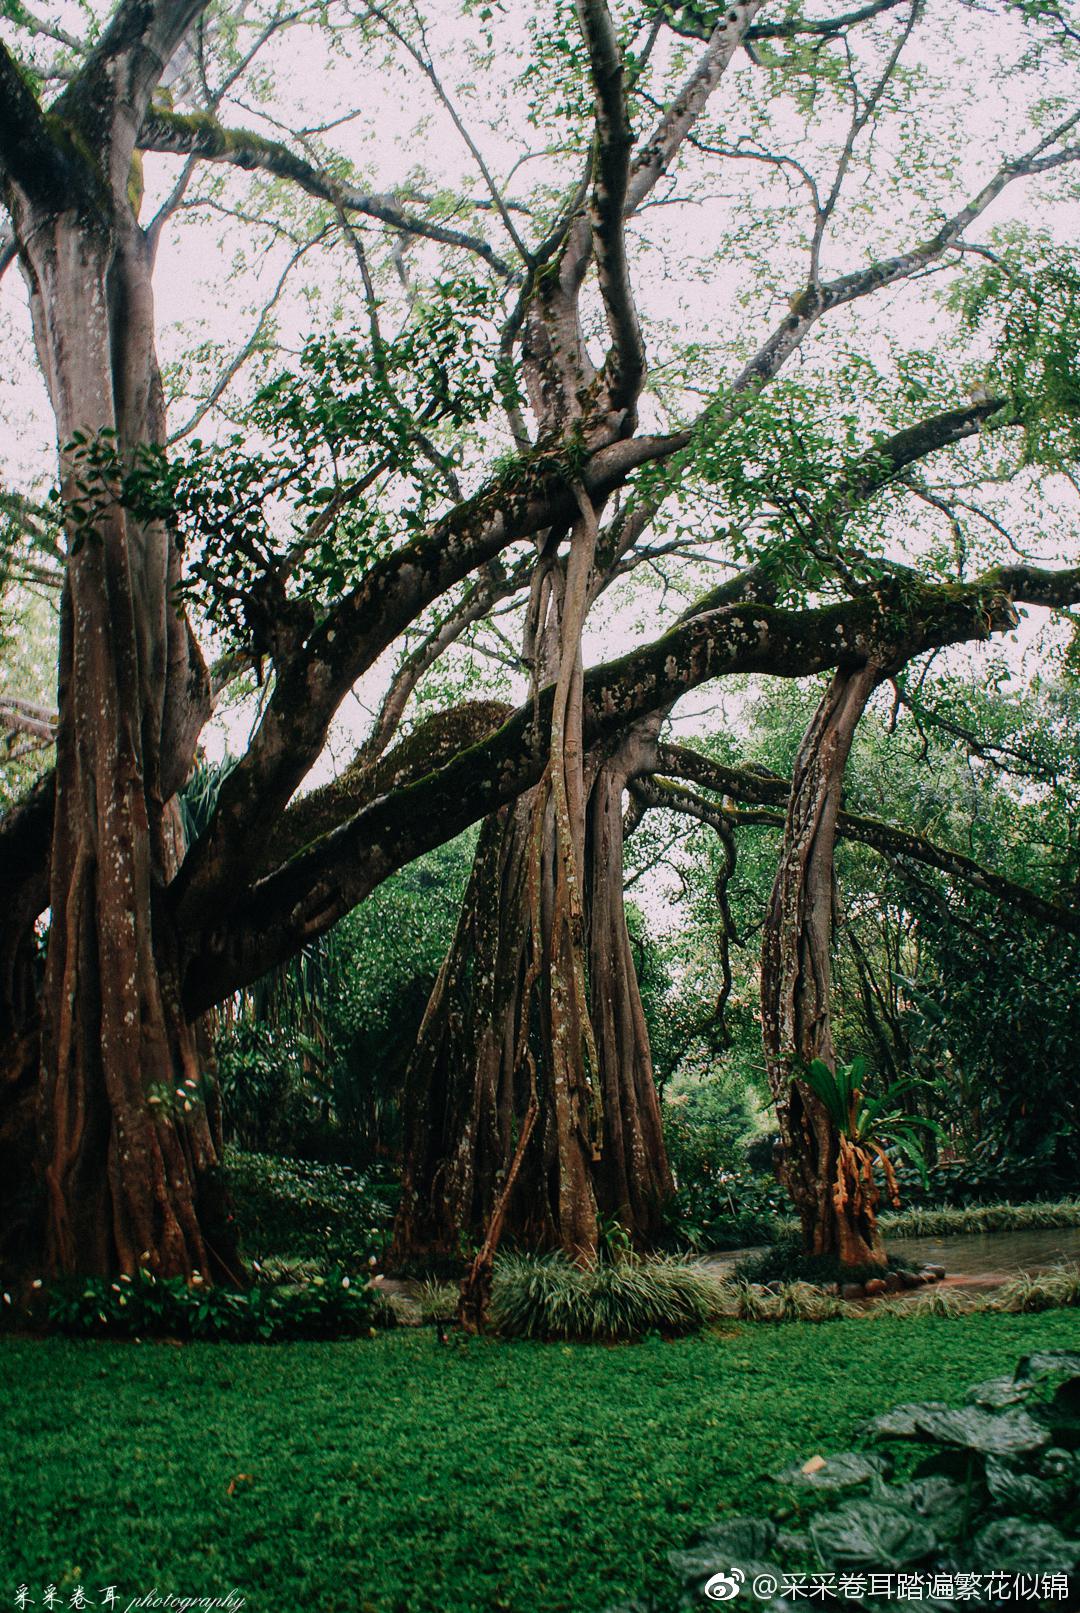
x: 724, y: 1587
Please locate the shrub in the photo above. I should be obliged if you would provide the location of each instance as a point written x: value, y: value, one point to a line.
x: 269, y: 1099
x: 727, y: 1209
x: 301, y: 1211
x: 989, y: 1173
x: 146, y: 1306
x: 987, y: 1478
x: 551, y: 1298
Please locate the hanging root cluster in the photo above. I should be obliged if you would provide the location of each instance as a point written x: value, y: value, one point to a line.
x: 557, y: 946
x: 855, y: 1191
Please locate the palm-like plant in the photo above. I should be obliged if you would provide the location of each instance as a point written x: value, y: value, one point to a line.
x: 867, y: 1127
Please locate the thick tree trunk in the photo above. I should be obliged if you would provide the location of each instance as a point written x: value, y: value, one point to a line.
x: 796, y: 979
x: 129, y: 1157
x: 632, y: 1176
x: 487, y: 1038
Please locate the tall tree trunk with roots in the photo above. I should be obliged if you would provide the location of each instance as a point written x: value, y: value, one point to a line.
x: 123, y: 1111
x: 837, y: 1214
x: 486, y: 1073
x: 129, y: 1154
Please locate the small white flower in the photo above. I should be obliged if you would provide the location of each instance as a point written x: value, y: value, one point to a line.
x: 372, y: 1261
x: 7, y: 1299
x: 344, y: 1282
x: 36, y: 1283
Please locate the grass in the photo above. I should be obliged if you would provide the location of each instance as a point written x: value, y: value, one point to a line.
x: 1055, y: 1289
x: 951, y: 1221
x: 550, y: 1298
x: 400, y: 1476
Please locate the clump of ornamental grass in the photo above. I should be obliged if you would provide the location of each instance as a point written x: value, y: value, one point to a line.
x: 787, y: 1302
x: 805, y: 1302
x: 952, y: 1221
x: 437, y: 1301
x: 549, y: 1297
x: 943, y: 1302
x: 1056, y: 1289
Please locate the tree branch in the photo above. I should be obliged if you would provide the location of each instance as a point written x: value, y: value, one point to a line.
x: 285, y: 909
x: 658, y: 152
x: 744, y: 784
x: 200, y: 135
x: 29, y: 157
x: 625, y: 365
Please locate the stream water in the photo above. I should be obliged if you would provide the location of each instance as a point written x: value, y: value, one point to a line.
x: 983, y: 1254
x: 978, y: 1255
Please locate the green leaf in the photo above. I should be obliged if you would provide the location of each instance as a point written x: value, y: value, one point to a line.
x: 940, y: 1499
x: 839, y: 1473
x: 1019, y: 1492
x: 872, y: 1534
x: 1018, y: 1546
x: 967, y: 1427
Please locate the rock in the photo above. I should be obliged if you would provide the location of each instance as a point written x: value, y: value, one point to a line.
x: 875, y: 1286
x: 851, y: 1291
x: 892, y: 1282
x: 935, y: 1273
x: 910, y: 1279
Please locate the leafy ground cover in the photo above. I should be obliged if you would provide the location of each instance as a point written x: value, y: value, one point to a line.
x: 396, y: 1474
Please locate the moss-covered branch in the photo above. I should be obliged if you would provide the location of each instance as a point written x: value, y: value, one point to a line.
x: 314, y: 889
x: 201, y: 135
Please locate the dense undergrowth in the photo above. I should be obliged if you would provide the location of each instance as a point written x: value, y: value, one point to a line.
x: 296, y: 1210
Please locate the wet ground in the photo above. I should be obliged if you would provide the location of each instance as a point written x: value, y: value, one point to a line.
x: 982, y: 1260
x: 978, y: 1261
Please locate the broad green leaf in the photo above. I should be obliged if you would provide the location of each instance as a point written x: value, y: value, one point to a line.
x: 872, y: 1534
x: 839, y: 1472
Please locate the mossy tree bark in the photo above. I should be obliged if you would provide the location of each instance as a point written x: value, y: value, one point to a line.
x: 485, y: 1049
x: 128, y: 1152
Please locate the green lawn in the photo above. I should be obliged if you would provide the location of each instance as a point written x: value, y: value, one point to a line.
x: 399, y: 1476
